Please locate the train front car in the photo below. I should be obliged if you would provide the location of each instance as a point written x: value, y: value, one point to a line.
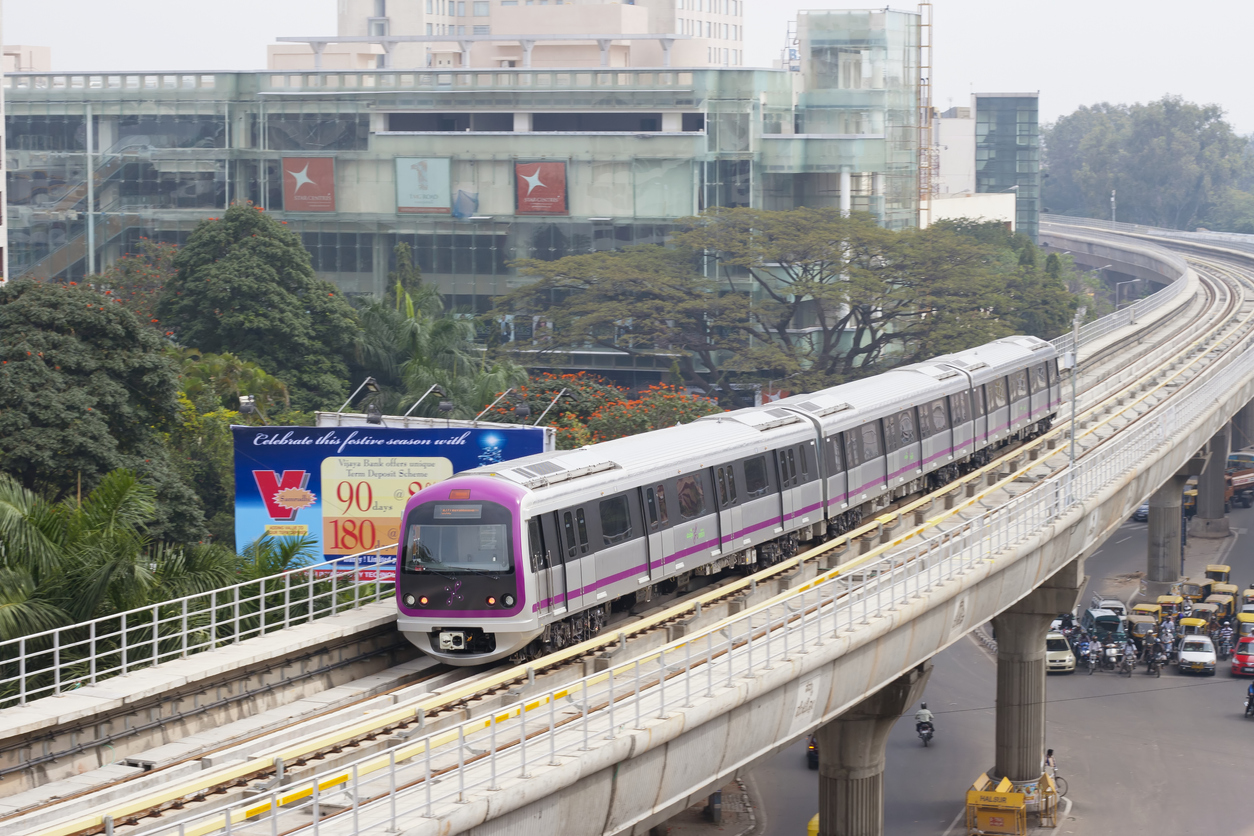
x: 462, y: 582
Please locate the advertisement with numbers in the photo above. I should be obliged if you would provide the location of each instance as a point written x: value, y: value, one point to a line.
x: 347, y: 486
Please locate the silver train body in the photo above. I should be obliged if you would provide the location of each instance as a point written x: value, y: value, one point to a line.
x: 575, y: 531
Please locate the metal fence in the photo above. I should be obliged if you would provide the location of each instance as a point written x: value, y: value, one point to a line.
x: 427, y: 776
x: 59, y: 660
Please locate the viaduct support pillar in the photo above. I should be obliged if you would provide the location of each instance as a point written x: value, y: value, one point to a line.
x: 851, y: 758
x: 1243, y: 428
x: 1020, y: 633
x: 1165, y: 546
x: 1211, y: 521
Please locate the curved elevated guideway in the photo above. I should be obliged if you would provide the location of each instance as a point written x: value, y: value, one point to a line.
x: 837, y: 639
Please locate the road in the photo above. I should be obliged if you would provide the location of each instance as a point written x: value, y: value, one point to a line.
x: 1142, y: 755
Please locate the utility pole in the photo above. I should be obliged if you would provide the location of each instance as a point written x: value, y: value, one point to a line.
x: 1112, y: 206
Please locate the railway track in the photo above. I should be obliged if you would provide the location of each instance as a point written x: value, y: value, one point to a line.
x: 1163, y: 368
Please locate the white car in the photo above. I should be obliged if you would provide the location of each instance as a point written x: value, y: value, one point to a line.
x: 1197, y: 655
x: 1058, y: 655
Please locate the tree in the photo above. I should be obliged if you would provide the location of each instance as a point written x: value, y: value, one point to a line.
x: 244, y: 284
x: 137, y: 279
x: 406, y: 278
x: 586, y: 395
x: 654, y: 408
x: 643, y: 301
x: 85, y: 389
x: 836, y: 296
x: 1170, y: 161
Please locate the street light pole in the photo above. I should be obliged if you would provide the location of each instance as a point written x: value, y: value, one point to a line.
x: 1112, y: 206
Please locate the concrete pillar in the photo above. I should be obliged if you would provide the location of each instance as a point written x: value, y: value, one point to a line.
x: 522, y: 122
x: 1243, y: 428
x: 1165, y: 522
x: 846, y: 190
x: 851, y: 758
x: 1211, y: 521
x: 1020, y: 633
x: 527, y: 46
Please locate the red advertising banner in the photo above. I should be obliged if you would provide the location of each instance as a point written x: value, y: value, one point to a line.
x: 309, y: 184
x: 541, y: 188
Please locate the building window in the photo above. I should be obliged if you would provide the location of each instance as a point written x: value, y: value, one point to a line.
x: 461, y: 30
x: 429, y: 32
x: 429, y: 4
x: 509, y: 2
x: 461, y: 8
x: 380, y: 8
x: 481, y: 30
x: 480, y: 8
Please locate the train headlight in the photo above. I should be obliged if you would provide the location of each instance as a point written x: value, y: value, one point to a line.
x: 491, y: 600
x: 409, y: 600
x: 507, y: 600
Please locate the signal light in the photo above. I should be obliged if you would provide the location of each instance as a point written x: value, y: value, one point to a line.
x: 491, y: 600
x: 459, y: 494
x: 424, y: 600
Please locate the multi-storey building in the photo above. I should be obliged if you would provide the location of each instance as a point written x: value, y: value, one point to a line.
x: 518, y: 33
x: 473, y: 168
x: 1008, y: 153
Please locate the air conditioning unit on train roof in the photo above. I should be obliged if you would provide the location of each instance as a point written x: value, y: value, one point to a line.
x: 541, y: 473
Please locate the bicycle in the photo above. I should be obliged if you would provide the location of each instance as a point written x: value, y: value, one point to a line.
x: 1060, y: 783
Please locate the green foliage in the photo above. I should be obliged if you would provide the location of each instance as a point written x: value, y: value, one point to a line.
x: 406, y: 278
x: 203, y: 450
x: 86, y: 389
x: 643, y: 301
x: 216, y: 381
x: 245, y: 284
x: 653, y: 409
x: 1170, y: 162
x: 586, y: 395
x: 137, y: 279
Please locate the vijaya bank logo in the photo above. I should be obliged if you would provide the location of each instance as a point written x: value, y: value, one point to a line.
x: 284, y: 494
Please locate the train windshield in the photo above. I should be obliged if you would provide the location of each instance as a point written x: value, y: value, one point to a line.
x: 454, y: 538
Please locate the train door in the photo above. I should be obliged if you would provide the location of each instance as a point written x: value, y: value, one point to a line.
x: 548, y: 563
x: 786, y: 470
x: 727, y: 498
x: 655, y: 519
x: 574, y: 524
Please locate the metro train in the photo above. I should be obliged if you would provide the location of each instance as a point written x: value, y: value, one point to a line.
x: 522, y: 558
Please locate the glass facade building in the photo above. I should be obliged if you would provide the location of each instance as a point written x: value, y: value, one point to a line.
x: 473, y: 169
x: 1008, y: 153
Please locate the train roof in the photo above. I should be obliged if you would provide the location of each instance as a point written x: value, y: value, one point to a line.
x: 661, y: 454
x: 995, y: 357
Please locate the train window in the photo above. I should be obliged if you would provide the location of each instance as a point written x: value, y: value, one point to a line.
x: 568, y: 528
x: 661, y: 503
x: 651, y: 502
x: 731, y: 482
x: 792, y: 468
x: 933, y: 417
x: 892, y: 434
x: 870, y: 435
x: 833, y: 453
x: 583, y: 530
x: 853, y: 449
x: 536, y: 545
x: 958, y: 408
x: 756, y: 481
x: 1019, y: 385
x: 691, y: 497
x: 1039, y: 383
x: 995, y: 393
x: 977, y: 402
x: 615, y: 520
x: 801, y: 454
x: 905, y: 420
x: 722, y: 487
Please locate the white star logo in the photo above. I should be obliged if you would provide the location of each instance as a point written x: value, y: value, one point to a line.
x: 532, y: 181
x: 302, y: 177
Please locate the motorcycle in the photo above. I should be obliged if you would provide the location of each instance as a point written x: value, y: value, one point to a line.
x: 1110, y: 657
x: 1092, y: 659
x: 1155, y: 664
x: 1127, y: 663
x: 1225, y: 647
x: 1249, y: 705
x: 925, y: 733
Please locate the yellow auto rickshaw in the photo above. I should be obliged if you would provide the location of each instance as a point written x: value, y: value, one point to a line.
x: 1245, y: 624
x: 1154, y: 611
x: 1140, y: 625
x: 1226, y: 603
x: 1225, y: 589
x: 1190, y: 590
x: 1171, y: 605
x: 1247, y: 597
x: 812, y: 829
x: 1218, y: 572
x: 1192, y: 627
x: 1205, y: 611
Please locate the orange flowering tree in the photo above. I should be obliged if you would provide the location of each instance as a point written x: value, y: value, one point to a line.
x: 596, y: 410
x: 135, y: 280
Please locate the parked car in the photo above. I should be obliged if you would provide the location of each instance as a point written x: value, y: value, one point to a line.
x: 1058, y: 655
x: 1197, y: 655
x: 1141, y: 514
x: 1243, y: 657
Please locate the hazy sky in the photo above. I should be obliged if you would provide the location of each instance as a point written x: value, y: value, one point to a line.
x: 1074, y: 52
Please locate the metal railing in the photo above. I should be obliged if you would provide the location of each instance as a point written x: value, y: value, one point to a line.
x: 65, y: 658
x: 442, y: 768
x: 1103, y: 327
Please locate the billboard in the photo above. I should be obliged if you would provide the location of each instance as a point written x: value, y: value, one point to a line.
x: 309, y: 184
x: 540, y: 188
x: 423, y: 185
x: 347, y: 486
